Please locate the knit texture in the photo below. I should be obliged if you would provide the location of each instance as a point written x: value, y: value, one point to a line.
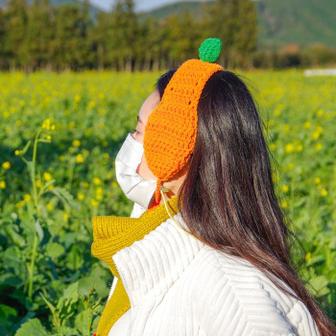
x: 179, y: 286
x: 171, y: 128
x: 110, y: 235
x: 210, y: 49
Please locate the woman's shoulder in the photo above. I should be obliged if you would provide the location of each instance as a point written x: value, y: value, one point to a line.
x: 238, y: 295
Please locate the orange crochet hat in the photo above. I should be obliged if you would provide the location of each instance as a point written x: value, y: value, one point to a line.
x: 171, y: 128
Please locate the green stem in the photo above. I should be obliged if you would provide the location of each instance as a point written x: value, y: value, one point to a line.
x: 71, y: 174
x: 33, y: 171
x: 31, y: 267
x: 35, y: 200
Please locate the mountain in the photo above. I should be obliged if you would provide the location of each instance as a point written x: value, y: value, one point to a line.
x: 194, y: 7
x: 93, y: 9
x: 279, y: 21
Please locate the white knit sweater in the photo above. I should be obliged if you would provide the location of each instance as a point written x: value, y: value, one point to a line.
x: 178, y: 286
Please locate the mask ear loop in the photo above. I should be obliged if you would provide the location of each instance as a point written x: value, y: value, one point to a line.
x: 178, y: 226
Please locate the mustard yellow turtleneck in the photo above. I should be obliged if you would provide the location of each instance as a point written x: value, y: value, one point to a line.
x: 110, y: 235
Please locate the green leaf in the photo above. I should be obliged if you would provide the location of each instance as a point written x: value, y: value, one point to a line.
x: 210, y: 49
x: 70, y: 295
x: 39, y: 229
x: 65, y: 197
x: 83, y: 322
x: 16, y: 238
x: 315, y: 260
x: 54, y: 250
x: 6, y: 312
x: 25, y: 148
x: 85, y: 285
x: 32, y: 327
x: 319, y: 285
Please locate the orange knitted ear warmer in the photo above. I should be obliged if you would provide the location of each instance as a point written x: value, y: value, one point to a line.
x: 171, y: 128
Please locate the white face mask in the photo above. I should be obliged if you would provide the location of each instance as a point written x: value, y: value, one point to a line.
x: 135, y: 187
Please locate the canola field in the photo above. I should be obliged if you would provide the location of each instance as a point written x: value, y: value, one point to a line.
x: 59, y: 134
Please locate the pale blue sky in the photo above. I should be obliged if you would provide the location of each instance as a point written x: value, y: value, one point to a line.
x: 140, y: 4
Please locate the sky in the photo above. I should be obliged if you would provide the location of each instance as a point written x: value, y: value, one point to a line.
x: 139, y: 4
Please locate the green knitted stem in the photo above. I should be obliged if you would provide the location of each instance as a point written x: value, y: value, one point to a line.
x: 210, y: 49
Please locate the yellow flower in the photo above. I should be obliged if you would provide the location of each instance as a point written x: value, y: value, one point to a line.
x: 94, y: 203
x: 317, y: 180
x: 99, y: 191
x: 76, y: 143
x: 317, y: 133
x: 284, y: 188
x: 284, y: 204
x: 2, y: 185
x: 26, y: 197
x: 99, y: 194
x: 6, y: 165
x: 308, y: 256
x: 318, y: 146
x: 47, y: 176
x: 289, y: 148
x: 80, y: 158
x: 80, y: 196
x: 65, y: 216
x: 47, y: 123
x: 20, y: 204
x: 50, y: 206
x: 323, y: 192
x: 17, y: 152
x: 96, y: 181
x: 77, y: 98
x: 38, y: 183
x: 307, y: 124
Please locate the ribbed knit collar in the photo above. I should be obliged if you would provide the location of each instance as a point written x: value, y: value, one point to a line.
x: 150, y: 266
x: 113, y: 233
x: 147, y: 253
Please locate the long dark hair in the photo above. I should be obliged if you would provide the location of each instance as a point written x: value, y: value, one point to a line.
x: 227, y: 198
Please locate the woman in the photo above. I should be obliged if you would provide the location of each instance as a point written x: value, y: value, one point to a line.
x: 207, y: 251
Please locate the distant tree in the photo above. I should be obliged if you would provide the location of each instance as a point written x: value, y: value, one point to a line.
x: 318, y: 54
x: 100, y: 36
x: 71, y: 46
x: 149, y: 43
x: 234, y: 21
x: 245, y: 37
x: 16, y: 20
x: 40, y: 34
x: 181, y: 38
x: 123, y: 43
x: 2, y: 39
x: 219, y: 21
